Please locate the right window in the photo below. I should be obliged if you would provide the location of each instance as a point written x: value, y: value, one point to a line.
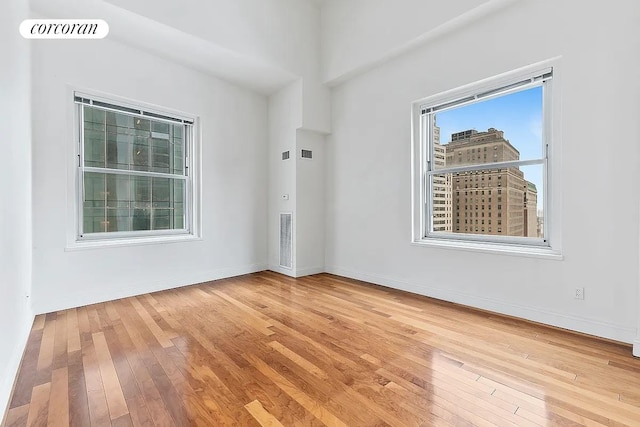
x: 484, y: 156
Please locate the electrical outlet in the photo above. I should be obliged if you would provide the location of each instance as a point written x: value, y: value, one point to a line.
x: 579, y: 293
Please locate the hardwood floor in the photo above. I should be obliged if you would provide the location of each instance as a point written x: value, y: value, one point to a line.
x: 268, y: 350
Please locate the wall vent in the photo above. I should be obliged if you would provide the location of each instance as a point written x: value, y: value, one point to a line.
x: 307, y: 154
x: 285, y: 155
x: 286, y: 240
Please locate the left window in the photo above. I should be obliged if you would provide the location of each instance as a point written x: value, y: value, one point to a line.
x: 134, y: 171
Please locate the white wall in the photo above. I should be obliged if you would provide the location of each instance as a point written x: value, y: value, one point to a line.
x: 359, y: 33
x: 285, y: 115
x: 15, y: 187
x: 234, y: 175
x: 310, y: 202
x: 368, y: 174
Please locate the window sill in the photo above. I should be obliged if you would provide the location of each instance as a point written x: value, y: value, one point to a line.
x: 133, y: 241
x: 492, y: 248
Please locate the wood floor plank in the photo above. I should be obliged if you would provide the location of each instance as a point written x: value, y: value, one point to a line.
x: 310, y: 367
x: 269, y: 350
x: 73, y: 331
x: 59, y: 399
x: 28, y: 369
x: 38, y: 322
x: 45, y: 357
x: 113, y: 390
x: 96, y: 400
x: 139, y: 412
x: 39, y: 406
x: 143, y: 341
x: 61, y: 341
x: 157, y: 332
x: 263, y: 417
x: 78, y: 403
x: 17, y: 417
x: 151, y: 396
x: 319, y: 411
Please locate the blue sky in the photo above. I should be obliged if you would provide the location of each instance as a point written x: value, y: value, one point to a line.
x: 518, y: 115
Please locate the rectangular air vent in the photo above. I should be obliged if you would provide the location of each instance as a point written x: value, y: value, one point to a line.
x: 285, y: 155
x: 286, y: 240
x: 307, y: 154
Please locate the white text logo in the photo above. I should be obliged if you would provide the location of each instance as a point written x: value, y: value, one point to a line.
x: 64, y: 29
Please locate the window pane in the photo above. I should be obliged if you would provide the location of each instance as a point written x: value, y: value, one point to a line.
x: 114, y: 119
x: 140, y: 154
x: 178, y: 149
x: 142, y: 127
x: 160, y: 127
x: 118, y: 147
x: 106, y: 205
x: 93, y: 220
x: 141, y: 203
x: 94, y: 137
x: 179, y: 198
x: 118, y: 191
x: 513, y: 124
x: 471, y: 202
x: 534, y: 200
x: 161, y: 194
x: 141, y: 191
x: 141, y: 219
x: 442, y: 219
x: 160, y: 155
x: 121, y: 141
x: 115, y: 202
x: 118, y: 220
x: 95, y: 190
x: 162, y: 219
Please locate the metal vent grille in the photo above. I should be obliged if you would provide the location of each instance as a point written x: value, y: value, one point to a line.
x: 285, y: 155
x: 286, y: 240
x: 307, y: 154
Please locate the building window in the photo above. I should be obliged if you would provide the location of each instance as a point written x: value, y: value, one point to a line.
x: 519, y: 156
x: 135, y: 171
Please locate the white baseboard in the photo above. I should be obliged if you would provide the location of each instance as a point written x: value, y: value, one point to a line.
x: 125, y: 290
x: 9, y: 373
x: 298, y: 272
x: 286, y: 271
x: 548, y: 317
x: 636, y: 347
x: 301, y: 272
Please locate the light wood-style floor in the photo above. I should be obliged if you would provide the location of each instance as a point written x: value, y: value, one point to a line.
x: 268, y: 350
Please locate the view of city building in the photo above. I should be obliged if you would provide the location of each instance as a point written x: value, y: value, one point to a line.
x: 491, y: 201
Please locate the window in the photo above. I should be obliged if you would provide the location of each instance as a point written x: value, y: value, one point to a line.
x: 135, y: 171
x: 508, y: 115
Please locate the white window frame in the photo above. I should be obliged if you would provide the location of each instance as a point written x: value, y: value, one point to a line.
x: 422, y: 153
x: 76, y: 239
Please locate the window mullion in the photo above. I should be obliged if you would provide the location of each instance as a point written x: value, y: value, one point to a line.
x: 189, y: 201
x: 486, y: 166
x: 134, y: 173
x: 80, y: 172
